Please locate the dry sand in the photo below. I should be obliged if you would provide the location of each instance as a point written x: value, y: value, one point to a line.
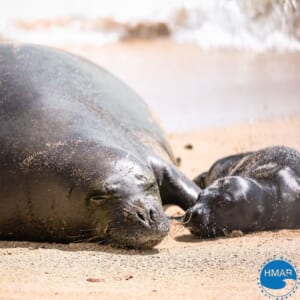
x: 181, y: 267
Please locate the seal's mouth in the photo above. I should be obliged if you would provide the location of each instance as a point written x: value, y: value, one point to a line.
x: 134, y: 240
x: 210, y: 231
x: 136, y: 224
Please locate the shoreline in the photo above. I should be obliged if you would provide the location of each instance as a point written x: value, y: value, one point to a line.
x: 202, y: 88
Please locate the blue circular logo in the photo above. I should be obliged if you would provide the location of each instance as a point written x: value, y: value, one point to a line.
x: 278, y: 279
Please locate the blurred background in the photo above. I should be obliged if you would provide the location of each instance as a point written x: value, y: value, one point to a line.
x: 197, y: 63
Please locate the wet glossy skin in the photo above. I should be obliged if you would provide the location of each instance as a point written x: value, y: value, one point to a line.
x: 254, y: 191
x: 81, y: 157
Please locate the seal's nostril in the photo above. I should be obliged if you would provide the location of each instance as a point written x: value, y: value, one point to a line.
x: 140, y: 216
x: 151, y: 214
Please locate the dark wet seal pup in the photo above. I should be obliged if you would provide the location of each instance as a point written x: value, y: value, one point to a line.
x: 81, y: 157
x: 248, y: 192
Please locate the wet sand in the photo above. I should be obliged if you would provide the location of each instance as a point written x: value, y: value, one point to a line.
x: 182, y: 266
x: 189, y: 88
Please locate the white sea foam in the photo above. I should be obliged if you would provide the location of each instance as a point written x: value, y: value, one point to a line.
x: 248, y: 24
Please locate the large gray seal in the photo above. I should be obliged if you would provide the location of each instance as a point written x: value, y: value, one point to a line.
x: 81, y: 157
x: 250, y: 192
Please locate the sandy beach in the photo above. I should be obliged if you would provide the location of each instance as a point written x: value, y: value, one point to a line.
x: 182, y: 266
x: 244, y: 102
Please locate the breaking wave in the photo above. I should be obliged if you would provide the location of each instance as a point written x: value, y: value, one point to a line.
x: 244, y: 24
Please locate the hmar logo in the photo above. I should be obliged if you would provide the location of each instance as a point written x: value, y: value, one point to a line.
x: 278, y: 279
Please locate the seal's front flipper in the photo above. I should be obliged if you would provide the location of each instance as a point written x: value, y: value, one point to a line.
x: 174, y: 186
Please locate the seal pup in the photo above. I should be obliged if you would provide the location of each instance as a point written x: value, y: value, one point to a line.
x: 249, y: 192
x: 81, y: 157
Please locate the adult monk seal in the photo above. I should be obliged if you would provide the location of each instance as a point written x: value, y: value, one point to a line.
x: 248, y: 192
x: 81, y: 156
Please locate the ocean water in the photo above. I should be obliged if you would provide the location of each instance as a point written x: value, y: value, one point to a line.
x: 257, y: 25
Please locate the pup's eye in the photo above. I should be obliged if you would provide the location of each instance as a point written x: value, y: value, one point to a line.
x: 225, y: 200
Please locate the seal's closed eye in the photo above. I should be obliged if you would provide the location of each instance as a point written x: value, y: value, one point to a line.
x: 99, y: 199
x: 99, y: 196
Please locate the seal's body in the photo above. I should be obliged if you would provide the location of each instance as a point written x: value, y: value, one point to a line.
x: 80, y: 154
x: 249, y: 192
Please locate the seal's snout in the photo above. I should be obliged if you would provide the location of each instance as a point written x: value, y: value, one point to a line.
x: 150, y: 222
x: 196, y: 215
x: 147, y: 217
x: 141, y: 224
x: 198, y: 220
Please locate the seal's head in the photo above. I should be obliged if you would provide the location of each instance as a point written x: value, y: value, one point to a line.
x: 230, y: 203
x: 124, y: 202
